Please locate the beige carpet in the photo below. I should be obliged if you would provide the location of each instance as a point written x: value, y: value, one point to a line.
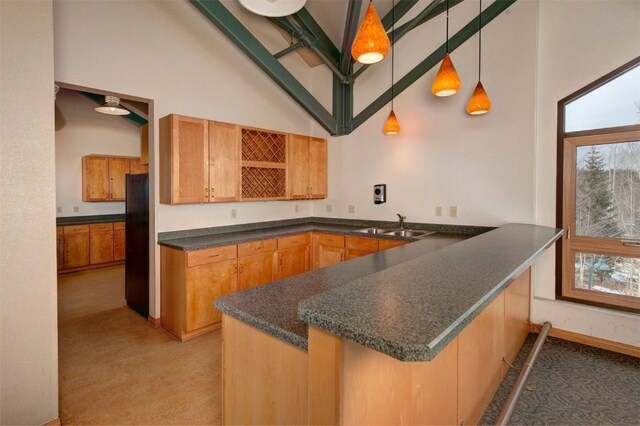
x: 116, y: 369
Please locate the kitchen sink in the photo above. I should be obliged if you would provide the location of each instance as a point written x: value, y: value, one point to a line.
x: 407, y: 233
x: 373, y: 230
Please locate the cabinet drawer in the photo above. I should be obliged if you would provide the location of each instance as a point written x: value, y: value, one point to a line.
x: 364, y: 244
x: 119, y: 225
x: 331, y: 240
x: 99, y: 227
x: 293, y: 241
x: 257, y: 247
x: 211, y: 255
x: 76, y: 229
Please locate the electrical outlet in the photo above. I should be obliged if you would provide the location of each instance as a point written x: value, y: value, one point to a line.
x: 59, y: 209
x: 297, y: 208
x: 76, y: 209
x: 439, y: 211
x: 352, y: 209
x: 453, y: 211
x: 329, y: 208
x: 233, y: 213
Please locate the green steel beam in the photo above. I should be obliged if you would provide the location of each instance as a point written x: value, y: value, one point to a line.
x: 286, y: 51
x: 490, y: 13
x: 350, y: 30
x: 304, y: 18
x: 133, y: 117
x: 343, y: 105
x: 431, y: 12
x: 215, y: 12
x: 401, y: 8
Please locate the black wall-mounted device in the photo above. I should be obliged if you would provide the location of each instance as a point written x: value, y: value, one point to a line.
x: 380, y: 193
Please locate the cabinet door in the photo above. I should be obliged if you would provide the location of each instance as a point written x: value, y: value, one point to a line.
x: 317, y: 168
x: 387, y: 244
x: 329, y: 256
x: 95, y: 178
x: 76, y: 250
x: 118, y: 169
x: 60, y: 250
x: 101, y: 247
x: 256, y: 270
x: 293, y: 261
x: 118, y: 244
x: 144, y: 145
x: 224, y: 162
x: 137, y: 168
x: 354, y: 253
x: 205, y: 283
x: 184, y: 160
x: 298, y: 167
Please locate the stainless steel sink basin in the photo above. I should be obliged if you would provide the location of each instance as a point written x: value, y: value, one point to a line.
x: 406, y: 233
x: 373, y: 230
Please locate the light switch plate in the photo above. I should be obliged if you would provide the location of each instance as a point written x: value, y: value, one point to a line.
x: 76, y: 209
x: 352, y: 209
x: 233, y: 213
x: 297, y: 208
x: 329, y: 208
x: 59, y: 209
x: 439, y: 211
x: 453, y: 211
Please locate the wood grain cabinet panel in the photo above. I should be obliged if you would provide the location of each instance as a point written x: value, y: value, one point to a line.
x: 144, y: 145
x: 328, y: 256
x: 293, y: 261
x: 307, y: 167
x: 101, y: 247
x: 119, y: 168
x: 60, y: 248
x: 95, y: 178
x: 257, y: 247
x: 119, y: 244
x: 293, y: 241
x: 205, y: 283
x: 387, y: 244
x: 256, y: 270
x: 76, y: 249
x: 224, y: 162
x: 137, y: 168
x: 359, y: 246
x: 516, y: 316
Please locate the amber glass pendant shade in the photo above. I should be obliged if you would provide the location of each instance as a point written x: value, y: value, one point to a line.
x: 391, y: 126
x: 479, y: 102
x: 447, y: 82
x: 371, y: 44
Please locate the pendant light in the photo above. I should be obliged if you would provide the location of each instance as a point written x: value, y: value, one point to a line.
x: 371, y: 44
x: 112, y: 106
x: 447, y: 82
x: 479, y: 102
x: 273, y: 8
x: 392, y: 126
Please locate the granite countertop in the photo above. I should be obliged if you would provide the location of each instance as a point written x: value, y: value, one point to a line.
x: 83, y: 220
x: 199, y: 239
x: 273, y: 307
x: 411, y: 311
x: 407, y: 302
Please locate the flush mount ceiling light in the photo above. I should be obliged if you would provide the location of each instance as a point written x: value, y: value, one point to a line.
x: 447, y: 82
x: 371, y: 44
x: 392, y: 126
x: 479, y: 103
x: 112, y: 106
x: 273, y: 8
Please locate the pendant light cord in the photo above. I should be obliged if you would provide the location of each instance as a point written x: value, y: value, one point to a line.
x: 447, y: 42
x: 393, y: 47
x: 480, y: 40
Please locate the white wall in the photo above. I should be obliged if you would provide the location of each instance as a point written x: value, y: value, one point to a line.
x: 168, y: 52
x: 28, y: 305
x: 579, y: 43
x: 82, y: 131
x: 444, y: 157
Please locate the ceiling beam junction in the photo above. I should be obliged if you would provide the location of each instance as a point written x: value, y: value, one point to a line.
x: 215, y: 12
x: 309, y: 34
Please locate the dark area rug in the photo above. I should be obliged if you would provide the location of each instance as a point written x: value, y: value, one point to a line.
x: 572, y: 384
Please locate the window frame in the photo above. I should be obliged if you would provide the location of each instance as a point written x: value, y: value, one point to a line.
x: 564, y: 139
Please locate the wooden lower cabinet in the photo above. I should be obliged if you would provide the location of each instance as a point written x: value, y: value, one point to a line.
x: 60, y: 247
x: 76, y: 248
x: 330, y: 250
x: 119, y: 241
x: 101, y: 243
x: 387, y: 244
x: 204, y: 284
x: 359, y: 246
x: 189, y: 284
x: 90, y: 246
x: 256, y: 270
x: 293, y: 261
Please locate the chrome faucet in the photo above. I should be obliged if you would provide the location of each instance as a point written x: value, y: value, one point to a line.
x: 401, y: 220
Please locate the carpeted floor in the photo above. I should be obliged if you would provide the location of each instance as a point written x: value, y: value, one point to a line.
x: 573, y: 384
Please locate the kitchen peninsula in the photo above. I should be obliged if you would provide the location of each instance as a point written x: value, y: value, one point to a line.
x: 415, y: 334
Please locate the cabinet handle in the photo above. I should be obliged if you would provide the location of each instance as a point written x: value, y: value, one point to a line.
x: 241, y: 268
x: 214, y: 255
x: 259, y: 247
x: 341, y: 257
x: 235, y: 268
x: 206, y: 193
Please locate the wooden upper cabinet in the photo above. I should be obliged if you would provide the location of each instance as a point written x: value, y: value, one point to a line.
x: 307, y: 167
x: 95, y: 178
x: 317, y: 168
x: 224, y: 162
x: 184, y: 160
x: 137, y: 168
x: 144, y: 145
x: 118, y: 169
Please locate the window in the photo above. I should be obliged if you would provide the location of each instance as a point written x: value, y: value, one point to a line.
x: 599, y: 192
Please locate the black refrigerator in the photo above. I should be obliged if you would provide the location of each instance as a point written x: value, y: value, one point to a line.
x: 137, y: 244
